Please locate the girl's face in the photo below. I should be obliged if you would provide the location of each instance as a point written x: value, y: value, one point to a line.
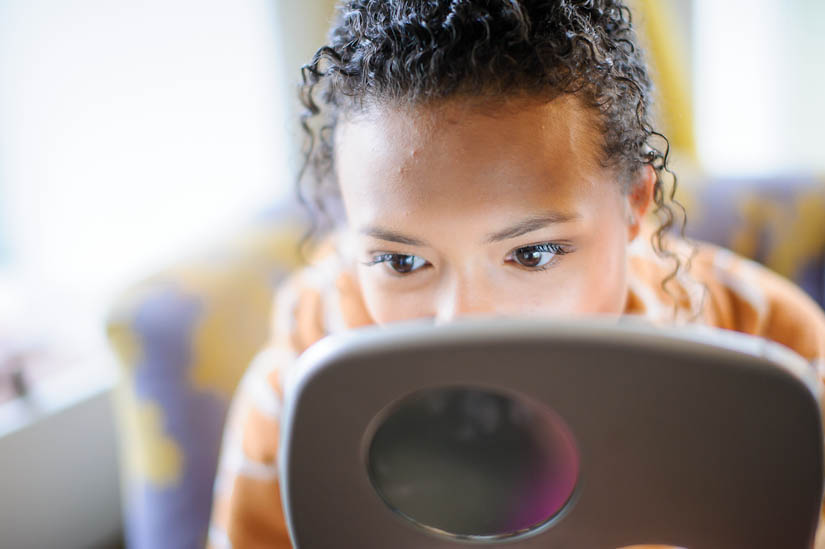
x: 467, y: 209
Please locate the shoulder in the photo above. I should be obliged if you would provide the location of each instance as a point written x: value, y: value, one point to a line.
x: 320, y: 299
x: 719, y: 288
x: 747, y: 297
x: 317, y: 300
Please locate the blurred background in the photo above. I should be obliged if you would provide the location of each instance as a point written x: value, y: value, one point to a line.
x: 147, y: 157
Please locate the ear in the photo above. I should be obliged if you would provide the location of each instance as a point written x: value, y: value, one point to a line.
x: 639, y: 199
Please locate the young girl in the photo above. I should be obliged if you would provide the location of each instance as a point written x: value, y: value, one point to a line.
x: 486, y: 157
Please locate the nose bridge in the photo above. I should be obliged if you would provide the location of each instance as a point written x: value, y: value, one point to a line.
x: 463, y: 294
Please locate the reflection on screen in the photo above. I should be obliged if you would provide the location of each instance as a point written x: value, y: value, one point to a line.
x: 474, y: 463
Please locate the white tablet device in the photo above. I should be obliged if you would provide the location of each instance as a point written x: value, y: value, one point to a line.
x: 550, y: 434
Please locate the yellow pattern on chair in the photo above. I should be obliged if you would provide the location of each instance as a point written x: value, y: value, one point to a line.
x: 125, y: 343
x: 798, y: 233
x: 235, y: 303
x: 215, y: 365
x: 804, y: 234
x: 760, y: 215
x: 148, y: 452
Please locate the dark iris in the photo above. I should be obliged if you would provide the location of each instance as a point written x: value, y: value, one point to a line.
x: 402, y: 263
x: 529, y: 257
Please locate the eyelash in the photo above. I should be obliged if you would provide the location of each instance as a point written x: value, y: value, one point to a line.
x: 547, y: 247
x: 381, y: 258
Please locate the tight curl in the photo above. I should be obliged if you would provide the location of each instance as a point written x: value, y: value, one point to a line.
x: 416, y: 52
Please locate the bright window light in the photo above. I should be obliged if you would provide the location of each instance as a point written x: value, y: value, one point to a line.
x: 129, y: 132
x: 759, y: 82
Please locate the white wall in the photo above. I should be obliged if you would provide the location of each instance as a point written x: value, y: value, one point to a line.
x: 759, y: 83
x: 130, y: 131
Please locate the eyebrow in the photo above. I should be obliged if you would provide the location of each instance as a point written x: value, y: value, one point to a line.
x: 391, y: 236
x: 531, y: 224
x: 525, y: 226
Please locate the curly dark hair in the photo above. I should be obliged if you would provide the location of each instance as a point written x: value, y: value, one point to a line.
x: 418, y: 52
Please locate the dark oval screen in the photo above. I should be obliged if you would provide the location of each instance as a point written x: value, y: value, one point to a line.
x: 474, y: 463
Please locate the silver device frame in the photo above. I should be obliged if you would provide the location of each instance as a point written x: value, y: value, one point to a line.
x: 692, y: 437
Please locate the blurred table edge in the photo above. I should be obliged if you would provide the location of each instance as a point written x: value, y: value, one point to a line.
x: 59, y: 475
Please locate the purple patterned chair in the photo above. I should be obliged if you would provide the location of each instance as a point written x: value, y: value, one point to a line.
x: 779, y: 222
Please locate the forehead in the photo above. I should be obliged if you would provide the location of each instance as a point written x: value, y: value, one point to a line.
x: 480, y: 153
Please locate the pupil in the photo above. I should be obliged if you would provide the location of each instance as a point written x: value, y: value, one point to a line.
x: 529, y: 258
x: 402, y: 263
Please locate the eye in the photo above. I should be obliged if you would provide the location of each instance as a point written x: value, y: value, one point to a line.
x: 537, y: 255
x: 400, y: 263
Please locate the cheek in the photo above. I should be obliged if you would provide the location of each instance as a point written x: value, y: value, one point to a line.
x: 604, y: 281
x: 392, y: 300
x: 603, y: 270
x: 598, y: 287
x: 602, y: 274
x: 592, y: 280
